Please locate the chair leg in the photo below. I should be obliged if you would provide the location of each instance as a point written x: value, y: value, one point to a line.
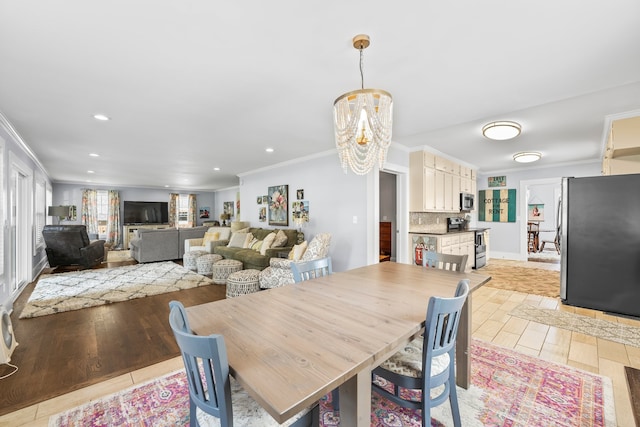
x: 453, y: 400
x: 193, y: 420
x: 335, y: 399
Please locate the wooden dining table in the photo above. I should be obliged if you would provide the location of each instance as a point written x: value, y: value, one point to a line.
x: 290, y: 346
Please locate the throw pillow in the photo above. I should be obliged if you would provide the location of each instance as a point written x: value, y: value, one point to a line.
x: 318, y: 248
x: 237, y: 240
x: 280, y: 240
x: 210, y: 237
x: 248, y: 240
x: 268, y: 242
x: 256, y: 244
x: 297, y: 251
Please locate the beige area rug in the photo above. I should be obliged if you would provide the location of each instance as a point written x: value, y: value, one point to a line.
x: 534, y: 281
x: 611, y: 331
x: 119, y: 256
x: 55, y: 293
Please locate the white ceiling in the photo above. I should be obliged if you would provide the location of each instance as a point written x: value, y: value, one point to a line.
x: 201, y: 84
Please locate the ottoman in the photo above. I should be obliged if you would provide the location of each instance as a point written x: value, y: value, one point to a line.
x: 189, y: 259
x: 222, y: 269
x: 205, y: 263
x: 243, y: 282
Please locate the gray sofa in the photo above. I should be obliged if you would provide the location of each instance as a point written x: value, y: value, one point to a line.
x: 162, y: 245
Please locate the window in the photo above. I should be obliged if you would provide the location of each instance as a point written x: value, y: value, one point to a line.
x: 183, y: 210
x: 40, y: 214
x: 103, y: 212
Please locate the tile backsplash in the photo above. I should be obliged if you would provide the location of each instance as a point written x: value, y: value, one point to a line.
x: 429, y: 222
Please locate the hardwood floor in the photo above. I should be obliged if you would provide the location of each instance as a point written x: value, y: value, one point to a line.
x: 68, y: 351
x: 491, y: 322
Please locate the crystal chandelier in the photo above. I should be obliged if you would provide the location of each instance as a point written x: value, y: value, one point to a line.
x: 363, y: 120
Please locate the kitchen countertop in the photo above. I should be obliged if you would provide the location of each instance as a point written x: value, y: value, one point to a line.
x: 442, y: 233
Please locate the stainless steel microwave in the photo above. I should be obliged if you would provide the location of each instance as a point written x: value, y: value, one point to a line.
x: 467, y: 202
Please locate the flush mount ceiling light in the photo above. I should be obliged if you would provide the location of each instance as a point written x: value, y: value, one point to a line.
x: 501, y: 130
x: 527, y: 157
x: 363, y: 120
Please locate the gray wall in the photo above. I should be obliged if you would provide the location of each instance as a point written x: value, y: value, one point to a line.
x: 38, y: 260
x: 508, y: 240
x: 336, y: 200
x: 71, y: 194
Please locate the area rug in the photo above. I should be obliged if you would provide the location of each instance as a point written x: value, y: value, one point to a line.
x: 119, y: 256
x: 534, y: 281
x: 55, y: 293
x: 508, y: 389
x: 612, y: 331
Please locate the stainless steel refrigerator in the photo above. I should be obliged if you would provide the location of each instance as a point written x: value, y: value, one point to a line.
x: 600, y: 243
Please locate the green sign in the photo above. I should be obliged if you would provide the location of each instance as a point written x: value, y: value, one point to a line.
x: 497, y: 205
x: 497, y: 181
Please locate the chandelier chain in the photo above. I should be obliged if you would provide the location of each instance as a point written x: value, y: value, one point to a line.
x: 361, y: 72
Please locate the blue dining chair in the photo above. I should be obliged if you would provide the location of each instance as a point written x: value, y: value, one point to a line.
x: 311, y: 269
x: 428, y: 361
x: 444, y: 261
x: 212, y: 391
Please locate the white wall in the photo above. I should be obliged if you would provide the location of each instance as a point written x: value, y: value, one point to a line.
x: 508, y: 240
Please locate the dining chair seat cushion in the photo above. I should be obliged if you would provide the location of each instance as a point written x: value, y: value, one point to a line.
x: 246, y: 411
x: 408, y: 361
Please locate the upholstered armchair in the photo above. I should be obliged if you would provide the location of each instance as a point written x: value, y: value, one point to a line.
x: 70, y: 245
x: 279, y: 271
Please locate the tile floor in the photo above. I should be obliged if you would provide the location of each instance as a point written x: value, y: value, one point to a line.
x: 491, y: 322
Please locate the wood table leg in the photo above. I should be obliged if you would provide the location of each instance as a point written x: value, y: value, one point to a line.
x: 463, y: 343
x: 355, y: 400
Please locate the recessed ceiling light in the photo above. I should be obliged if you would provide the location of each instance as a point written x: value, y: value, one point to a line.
x: 216, y: 169
x: 90, y: 172
x: 501, y: 130
x: 166, y: 186
x: 94, y: 155
x: 269, y: 150
x: 101, y: 117
x: 527, y: 157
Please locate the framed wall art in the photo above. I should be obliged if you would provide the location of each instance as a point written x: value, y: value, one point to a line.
x: 535, y: 212
x: 227, y: 207
x: 279, y: 205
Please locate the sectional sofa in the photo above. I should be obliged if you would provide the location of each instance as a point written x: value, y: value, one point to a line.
x: 162, y: 245
x: 252, y: 258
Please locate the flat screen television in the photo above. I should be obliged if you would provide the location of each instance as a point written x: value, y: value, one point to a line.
x: 146, y: 212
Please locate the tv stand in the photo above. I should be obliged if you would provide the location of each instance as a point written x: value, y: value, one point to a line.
x: 129, y: 231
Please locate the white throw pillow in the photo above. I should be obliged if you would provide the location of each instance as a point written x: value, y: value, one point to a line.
x: 237, y: 240
x: 298, y: 251
x: 266, y: 244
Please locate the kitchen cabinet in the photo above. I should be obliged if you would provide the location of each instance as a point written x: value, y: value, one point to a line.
x: 458, y: 244
x: 435, y: 183
x: 622, y: 153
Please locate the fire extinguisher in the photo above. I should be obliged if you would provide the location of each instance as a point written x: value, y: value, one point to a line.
x: 418, y: 255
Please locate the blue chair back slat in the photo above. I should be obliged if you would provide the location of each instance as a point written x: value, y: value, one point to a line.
x: 311, y: 269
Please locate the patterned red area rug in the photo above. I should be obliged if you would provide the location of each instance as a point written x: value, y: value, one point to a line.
x: 509, y: 389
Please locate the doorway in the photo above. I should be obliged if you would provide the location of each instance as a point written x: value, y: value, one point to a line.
x: 388, y: 223
x: 540, y: 205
